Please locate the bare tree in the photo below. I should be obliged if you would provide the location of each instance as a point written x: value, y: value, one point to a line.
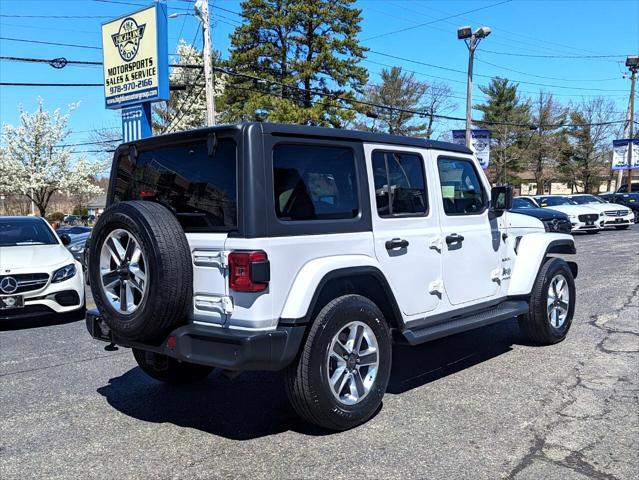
x: 438, y: 101
x: 549, y: 138
x: 584, y: 164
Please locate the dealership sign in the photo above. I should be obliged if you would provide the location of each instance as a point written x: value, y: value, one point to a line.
x: 480, y: 144
x: 135, y: 54
x: 620, y: 153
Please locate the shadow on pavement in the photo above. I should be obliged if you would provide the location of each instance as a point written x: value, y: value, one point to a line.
x: 255, y: 405
x: 40, y: 321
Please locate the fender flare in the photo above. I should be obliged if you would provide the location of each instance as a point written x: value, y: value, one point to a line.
x: 532, y: 249
x: 311, y: 279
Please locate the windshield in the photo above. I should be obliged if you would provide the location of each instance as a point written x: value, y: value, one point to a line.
x: 523, y: 203
x: 15, y: 232
x: 583, y: 199
x: 554, y: 201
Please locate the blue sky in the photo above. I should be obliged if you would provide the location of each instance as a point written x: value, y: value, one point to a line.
x: 532, y: 42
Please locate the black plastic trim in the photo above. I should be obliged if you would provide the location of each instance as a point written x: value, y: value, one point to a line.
x: 561, y: 246
x: 216, y: 346
x: 260, y: 272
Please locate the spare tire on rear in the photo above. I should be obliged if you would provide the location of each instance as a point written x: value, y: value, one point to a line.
x: 140, y: 270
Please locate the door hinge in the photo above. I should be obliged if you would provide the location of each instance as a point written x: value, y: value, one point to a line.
x: 211, y: 258
x: 212, y: 303
x: 436, y: 287
x: 496, y: 274
x: 435, y: 244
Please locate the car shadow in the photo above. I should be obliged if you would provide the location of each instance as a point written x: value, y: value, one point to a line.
x: 48, y: 320
x: 254, y: 404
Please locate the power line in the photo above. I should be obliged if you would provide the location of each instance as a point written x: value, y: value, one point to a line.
x: 25, y: 84
x: 75, y: 45
x: 54, y: 16
x: 63, y: 62
x: 435, y: 21
x: 551, y: 56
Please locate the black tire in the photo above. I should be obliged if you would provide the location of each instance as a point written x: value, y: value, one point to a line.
x: 622, y: 227
x: 169, y: 370
x: 307, y: 382
x: 169, y: 285
x: 536, y: 324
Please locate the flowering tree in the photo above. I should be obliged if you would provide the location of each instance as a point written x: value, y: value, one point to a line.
x: 33, y: 163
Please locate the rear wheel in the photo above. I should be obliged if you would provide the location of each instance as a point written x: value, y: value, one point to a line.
x: 552, y: 304
x: 341, y: 375
x: 141, y: 271
x: 169, y: 370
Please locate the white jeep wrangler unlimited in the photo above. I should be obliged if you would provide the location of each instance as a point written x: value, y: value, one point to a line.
x: 268, y: 247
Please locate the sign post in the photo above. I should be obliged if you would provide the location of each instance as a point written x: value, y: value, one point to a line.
x: 135, y: 57
x: 480, y: 144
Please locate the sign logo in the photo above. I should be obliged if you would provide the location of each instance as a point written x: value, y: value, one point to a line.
x: 8, y: 285
x: 128, y: 38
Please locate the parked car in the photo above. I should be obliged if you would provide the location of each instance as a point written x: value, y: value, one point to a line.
x: 74, y: 230
x: 614, y: 215
x: 630, y: 200
x: 269, y: 247
x: 634, y: 187
x: 582, y: 218
x: 553, y: 220
x: 38, y: 275
x: 86, y: 219
x: 71, y: 219
x: 77, y: 246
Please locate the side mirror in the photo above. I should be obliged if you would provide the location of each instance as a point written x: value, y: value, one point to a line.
x: 66, y: 239
x: 501, y: 198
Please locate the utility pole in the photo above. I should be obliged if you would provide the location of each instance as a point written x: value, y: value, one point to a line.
x: 202, y: 11
x: 471, y: 39
x: 633, y: 65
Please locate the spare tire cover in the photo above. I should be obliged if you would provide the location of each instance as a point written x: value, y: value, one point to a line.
x: 140, y: 270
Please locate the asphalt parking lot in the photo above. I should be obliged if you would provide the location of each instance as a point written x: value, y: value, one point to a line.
x: 483, y: 404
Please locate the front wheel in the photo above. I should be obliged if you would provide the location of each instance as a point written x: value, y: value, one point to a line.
x: 342, y: 372
x: 169, y: 370
x: 552, y: 304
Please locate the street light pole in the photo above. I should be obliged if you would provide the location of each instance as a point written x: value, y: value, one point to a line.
x: 202, y: 11
x: 633, y: 64
x: 471, y: 39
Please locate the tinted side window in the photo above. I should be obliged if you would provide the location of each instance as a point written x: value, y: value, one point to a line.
x: 314, y: 182
x: 462, y: 191
x: 399, y: 184
x: 200, y: 189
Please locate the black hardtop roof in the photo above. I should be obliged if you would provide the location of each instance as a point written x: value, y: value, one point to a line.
x: 308, y: 131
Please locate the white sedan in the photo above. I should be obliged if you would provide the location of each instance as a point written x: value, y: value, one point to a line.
x: 614, y: 215
x: 583, y: 218
x: 38, y: 275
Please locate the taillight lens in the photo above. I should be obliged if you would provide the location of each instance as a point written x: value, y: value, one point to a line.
x: 248, y: 271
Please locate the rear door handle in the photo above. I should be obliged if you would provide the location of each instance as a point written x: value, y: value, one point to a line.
x: 396, y: 243
x: 454, y: 238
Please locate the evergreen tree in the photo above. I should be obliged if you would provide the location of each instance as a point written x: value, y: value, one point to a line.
x: 302, y: 55
x: 508, y: 142
x: 404, y: 92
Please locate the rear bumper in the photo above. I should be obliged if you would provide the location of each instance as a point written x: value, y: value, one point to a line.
x: 216, y: 346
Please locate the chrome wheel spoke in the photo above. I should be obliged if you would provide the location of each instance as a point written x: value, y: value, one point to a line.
x: 558, y: 301
x: 368, y: 358
x: 352, y: 362
x: 123, y: 271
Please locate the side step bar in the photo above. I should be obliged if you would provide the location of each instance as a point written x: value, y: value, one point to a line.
x: 502, y: 311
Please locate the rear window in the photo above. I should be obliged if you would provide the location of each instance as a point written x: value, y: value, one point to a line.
x: 314, y: 182
x: 200, y: 189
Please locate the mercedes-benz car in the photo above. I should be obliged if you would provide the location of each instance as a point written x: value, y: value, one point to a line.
x: 553, y: 220
x: 614, y: 215
x: 38, y: 275
x: 583, y: 218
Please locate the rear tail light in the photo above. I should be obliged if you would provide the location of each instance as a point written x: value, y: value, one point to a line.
x: 250, y: 271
